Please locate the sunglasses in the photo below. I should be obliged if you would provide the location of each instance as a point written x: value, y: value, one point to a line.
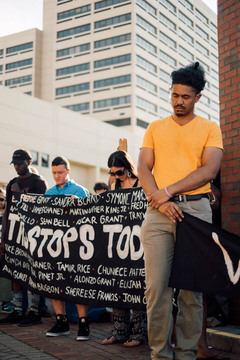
x: 1, y: 199
x: 116, y: 173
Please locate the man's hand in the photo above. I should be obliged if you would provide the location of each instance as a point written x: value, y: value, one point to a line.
x: 157, y: 198
x: 172, y: 211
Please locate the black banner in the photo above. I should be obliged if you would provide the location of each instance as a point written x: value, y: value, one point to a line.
x: 206, y: 259
x: 85, y: 250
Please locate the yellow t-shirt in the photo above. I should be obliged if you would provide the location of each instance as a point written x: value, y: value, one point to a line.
x: 178, y: 149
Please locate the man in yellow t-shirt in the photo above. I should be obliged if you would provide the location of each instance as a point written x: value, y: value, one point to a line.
x: 179, y: 157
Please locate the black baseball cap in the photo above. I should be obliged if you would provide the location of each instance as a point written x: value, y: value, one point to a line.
x: 20, y: 155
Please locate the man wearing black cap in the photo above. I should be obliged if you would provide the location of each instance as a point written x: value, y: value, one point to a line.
x: 25, y: 182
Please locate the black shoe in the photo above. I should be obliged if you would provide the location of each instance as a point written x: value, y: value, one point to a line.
x: 13, y: 318
x: 83, y: 330
x: 30, y: 319
x: 61, y: 327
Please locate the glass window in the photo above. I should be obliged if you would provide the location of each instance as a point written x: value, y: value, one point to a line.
x: 164, y: 94
x: 19, y: 80
x: 185, y: 53
x: 79, y: 107
x: 44, y: 160
x: 1, y: 52
x: 145, y: 84
x: 146, y: 25
x: 119, y: 122
x: 17, y: 64
x: 164, y: 75
x: 202, y: 33
x: 122, y: 100
x: 163, y: 112
x: 104, y: 3
x: 112, y: 81
x: 214, y: 43
x: 72, y: 69
x: 202, y: 49
x: 73, y: 31
x: 201, y: 17
x: 146, y: 64
x: 1, y: 68
x: 185, y: 36
x: 167, y: 40
x: 203, y: 114
x: 34, y: 157
x: 142, y: 123
x: 146, y: 105
x: 205, y: 66
x: 112, y: 61
x: 112, y: 41
x: 112, y: 21
x: 187, y: 4
x: 167, y: 58
x: 168, y: 5
x: 185, y: 19
x: 146, y: 44
x: 214, y: 58
x: 20, y: 47
x: 205, y: 100
x: 73, y: 50
x: 213, y: 27
x: 73, y: 88
x: 147, y: 7
x: 168, y: 23
x: 74, y: 12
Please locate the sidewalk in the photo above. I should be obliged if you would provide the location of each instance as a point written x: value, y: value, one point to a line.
x: 21, y: 343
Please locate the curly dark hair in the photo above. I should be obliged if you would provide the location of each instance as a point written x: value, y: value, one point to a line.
x: 191, y: 75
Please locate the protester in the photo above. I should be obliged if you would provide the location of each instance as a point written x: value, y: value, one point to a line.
x: 127, y: 329
x: 100, y: 187
x: 65, y: 186
x: 5, y: 284
x: 179, y: 157
x: 26, y: 182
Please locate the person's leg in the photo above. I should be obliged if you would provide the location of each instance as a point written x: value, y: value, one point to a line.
x: 121, y: 327
x: 62, y: 324
x: 139, y: 328
x: 83, y: 327
x: 16, y: 315
x: 32, y: 317
x: 157, y: 237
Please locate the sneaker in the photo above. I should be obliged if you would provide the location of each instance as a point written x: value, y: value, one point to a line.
x: 7, y: 308
x: 83, y: 330
x: 13, y: 318
x: 61, y: 327
x: 30, y: 319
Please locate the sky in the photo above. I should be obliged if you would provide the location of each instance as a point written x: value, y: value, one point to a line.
x: 20, y: 15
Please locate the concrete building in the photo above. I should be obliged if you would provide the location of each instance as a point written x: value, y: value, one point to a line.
x: 111, y: 59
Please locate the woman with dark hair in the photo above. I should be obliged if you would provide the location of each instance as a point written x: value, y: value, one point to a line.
x: 129, y: 327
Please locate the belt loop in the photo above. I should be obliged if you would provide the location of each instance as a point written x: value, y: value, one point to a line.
x: 182, y: 198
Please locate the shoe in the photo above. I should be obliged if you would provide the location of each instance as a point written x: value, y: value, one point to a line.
x: 30, y: 319
x: 83, y: 330
x: 7, y: 308
x: 61, y: 327
x: 13, y: 318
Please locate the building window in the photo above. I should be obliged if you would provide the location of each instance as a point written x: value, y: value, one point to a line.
x: 72, y: 69
x: 164, y: 75
x: 202, y: 33
x: 28, y: 93
x: 112, y: 81
x: 185, y: 19
x: 164, y: 94
x: 146, y: 44
x: 112, y: 41
x: 146, y: 105
x: 167, y: 58
x: 142, y: 123
x: 73, y: 31
x: 104, y: 3
x: 168, y: 23
x: 112, y: 21
x: 19, y: 80
x: 201, y: 17
x: 1, y: 52
x: 74, y: 12
x: 122, y: 100
x: 213, y: 27
x: 185, y: 36
x: 119, y: 122
x: 146, y: 25
x: 73, y: 50
x: 44, y: 160
x: 202, y: 49
x: 147, y: 6
x: 79, y: 107
x: 163, y: 113
x: 215, y: 90
x: 17, y: 64
x: 168, y: 5
x: 73, y: 88
x: 17, y: 48
x: 146, y: 85
x: 34, y: 157
x: 1, y: 68
x: 203, y: 114
x: 214, y: 58
x: 146, y: 64
x: 167, y: 40
x: 205, y: 66
x: 205, y: 100
x: 187, y: 4
x: 214, y: 43
x: 185, y: 53
x: 112, y: 61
